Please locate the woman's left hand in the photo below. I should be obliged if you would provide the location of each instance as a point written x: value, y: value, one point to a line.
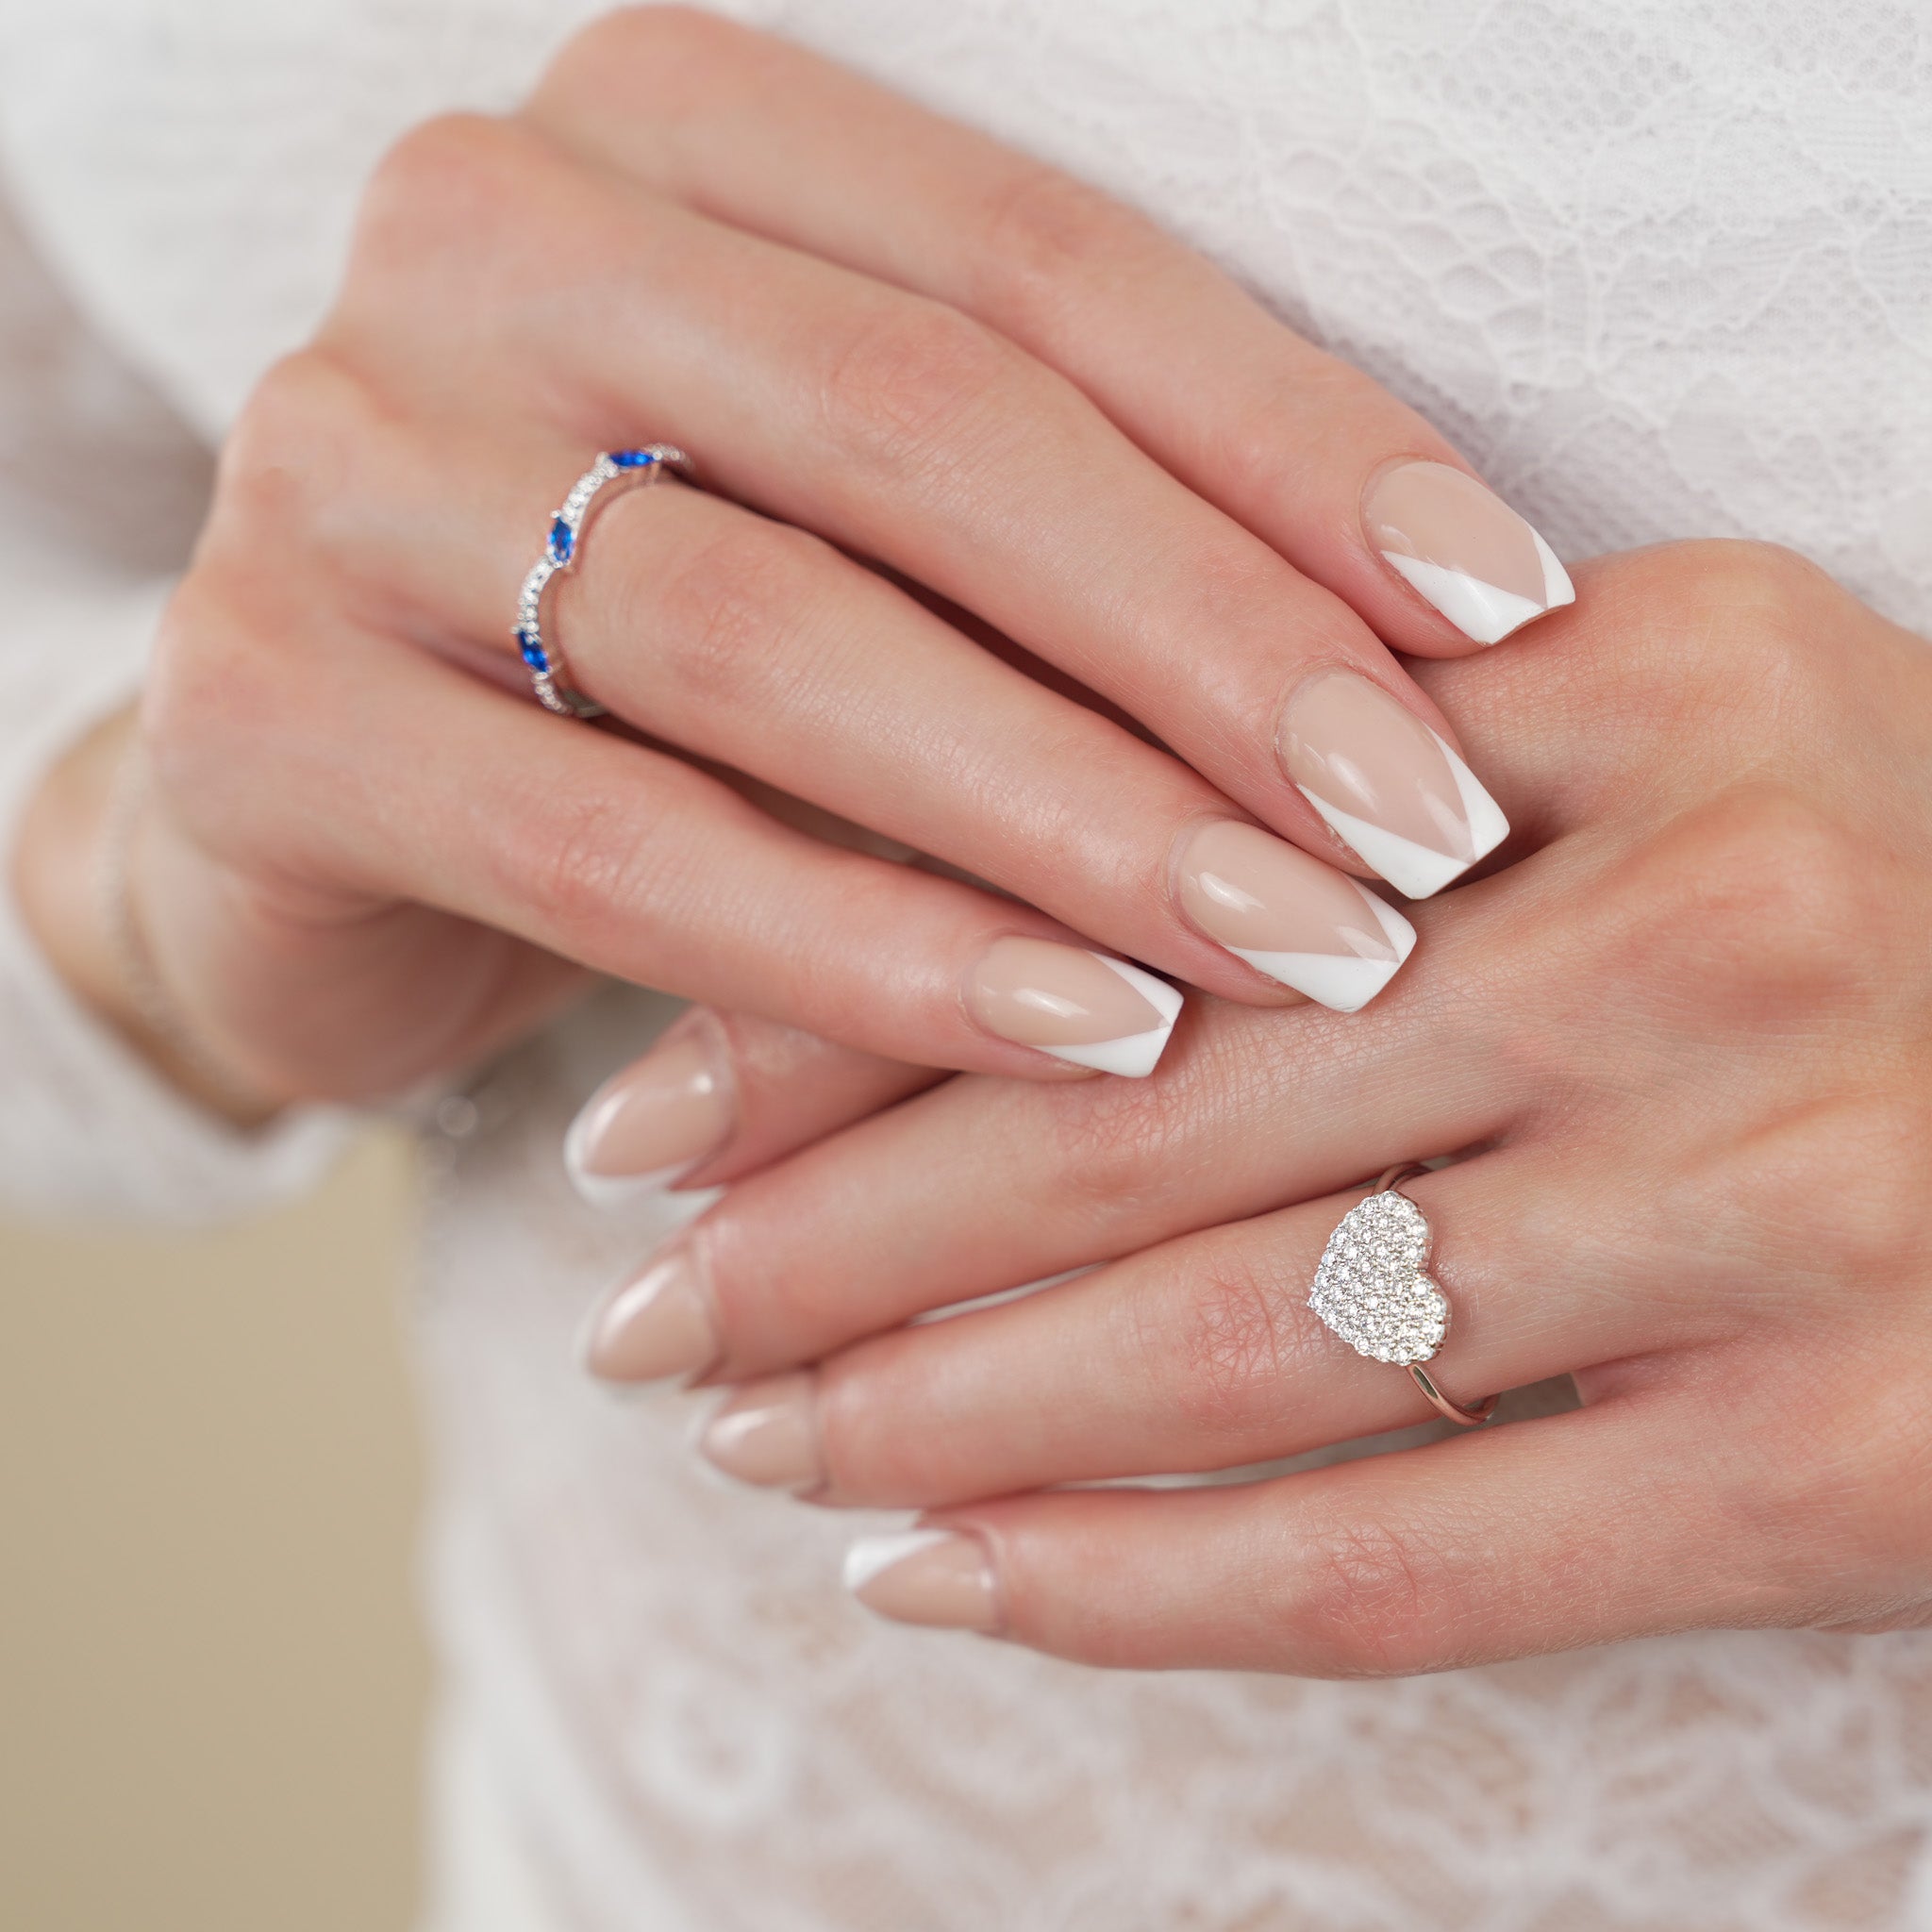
x: 1687, y: 1045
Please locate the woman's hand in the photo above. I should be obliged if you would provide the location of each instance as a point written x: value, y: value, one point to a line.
x: 1069, y: 447
x: 1686, y: 1044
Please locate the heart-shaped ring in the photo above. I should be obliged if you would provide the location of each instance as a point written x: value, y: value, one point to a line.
x: 1373, y: 1290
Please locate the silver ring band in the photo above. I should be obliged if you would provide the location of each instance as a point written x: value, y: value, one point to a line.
x: 614, y: 473
x: 1373, y: 1290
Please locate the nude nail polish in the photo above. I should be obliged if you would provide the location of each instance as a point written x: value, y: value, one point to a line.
x: 766, y: 1434
x: 940, y: 1578
x: 1080, y: 1007
x: 658, y: 1325
x: 1459, y: 544
x: 1291, y: 917
x: 1386, y: 784
x: 651, y: 1123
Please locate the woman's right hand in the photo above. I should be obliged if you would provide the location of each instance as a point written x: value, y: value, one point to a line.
x: 368, y: 858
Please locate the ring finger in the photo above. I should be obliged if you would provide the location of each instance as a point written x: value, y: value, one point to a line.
x: 1205, y: 1354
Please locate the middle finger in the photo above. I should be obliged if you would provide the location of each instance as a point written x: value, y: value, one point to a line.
x: 764, y: 648
x: 902, y: 429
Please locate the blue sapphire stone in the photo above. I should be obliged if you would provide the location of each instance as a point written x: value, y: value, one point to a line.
x: 563, y: 542
x: 532, y: 651
x: 632, y: 459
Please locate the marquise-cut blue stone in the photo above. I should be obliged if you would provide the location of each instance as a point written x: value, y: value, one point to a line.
x: 563, y: 542
x: 632, y: 459
x: 532, y: 651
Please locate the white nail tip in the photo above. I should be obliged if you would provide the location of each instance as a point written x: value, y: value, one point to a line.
x: 1134, y: 1056
x: 1557, y: 589
x: 1415, y: 871
x: 1341, y: 984
x: 609, y: 1190
x: 1477, y: 609
x: 1488, y: 827
x: 1340, y: 981
x: 872, y: 1556
x: 1482, y: 610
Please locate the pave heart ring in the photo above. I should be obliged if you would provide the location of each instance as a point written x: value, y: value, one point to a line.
x: 614, y: 473
x: 1372, y: 1288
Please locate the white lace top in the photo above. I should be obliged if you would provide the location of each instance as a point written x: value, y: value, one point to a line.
x: 1663, y: 268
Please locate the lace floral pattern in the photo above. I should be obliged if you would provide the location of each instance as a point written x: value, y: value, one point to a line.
x: 1661, y: 270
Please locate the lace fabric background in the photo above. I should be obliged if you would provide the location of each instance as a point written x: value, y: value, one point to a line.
x: 1662, y: 270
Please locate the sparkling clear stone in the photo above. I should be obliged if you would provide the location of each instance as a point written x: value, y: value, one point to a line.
x: 1372, y: 1289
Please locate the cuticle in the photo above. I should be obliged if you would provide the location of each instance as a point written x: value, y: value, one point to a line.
x: 989, y: 1546
x: 708, y: 1023
x: 1178, y: 904
x: 1061, y: 1069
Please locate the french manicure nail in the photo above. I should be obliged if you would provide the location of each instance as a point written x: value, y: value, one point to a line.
x: 652, y: 1122
x: 766, y: 1434
x: 1291, y: 917
x: 1386, y: 784
x: 1479, y: 563
x: 659, y: 1325
x: 937, y: 1577
x: 1080, y: 1007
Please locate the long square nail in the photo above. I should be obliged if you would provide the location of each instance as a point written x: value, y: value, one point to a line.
x: 1290, y: 916
x: 1463, y: 548
x: 651, y: 1123
x: 1084, y: 1008
x: 1386, y: 784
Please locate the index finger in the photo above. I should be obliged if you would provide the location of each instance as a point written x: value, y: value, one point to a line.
x: 1347, y: 482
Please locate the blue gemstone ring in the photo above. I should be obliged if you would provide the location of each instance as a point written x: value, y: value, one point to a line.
x: 614, y: 473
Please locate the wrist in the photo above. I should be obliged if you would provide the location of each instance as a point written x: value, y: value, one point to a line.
x: 71, y: 878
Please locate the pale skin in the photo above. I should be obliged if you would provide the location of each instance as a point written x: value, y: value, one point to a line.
x: 1688, y: 1027
x: 1687, y: 1043
x: 369, y: 858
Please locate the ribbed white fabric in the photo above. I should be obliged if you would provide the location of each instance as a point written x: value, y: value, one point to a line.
x: 1659, y: 267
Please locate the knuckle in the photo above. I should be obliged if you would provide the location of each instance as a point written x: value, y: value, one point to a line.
x: 439, y: 186
x: 1751, y: 897
x: 1239, y: 1337
x: 575, y: 868
x: 1046, y: 236
x: 1753, y: 576
x: 674, y: 43
x: 1734, y: 575
x: 1116, y: 1139
x: 197, y: 646
x: 1839, y: 1190
x: 1748, y: 629
x: 290, y: 449
x: 213, y: 697
x: 914, y: 388
x: 1377, y: 1598
x: 730, y: 602
x: 1271, y: 455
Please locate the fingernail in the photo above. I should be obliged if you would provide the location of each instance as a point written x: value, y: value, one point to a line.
x: 1291, y: 917
x: 659, y: 1325
x: 652, y: 1122
x: 1485, y: 569
x: 768, y: 1434
x: 1407, y: 805
x: 937, y: 1577
x: 1081, y: 1007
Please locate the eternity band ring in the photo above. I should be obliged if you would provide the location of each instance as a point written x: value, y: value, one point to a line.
x: 1373, y: 1290
x: 614, y: 473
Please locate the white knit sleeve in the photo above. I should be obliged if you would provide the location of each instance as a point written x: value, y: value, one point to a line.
x: 99, y: 485
x: 86, y: 1128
